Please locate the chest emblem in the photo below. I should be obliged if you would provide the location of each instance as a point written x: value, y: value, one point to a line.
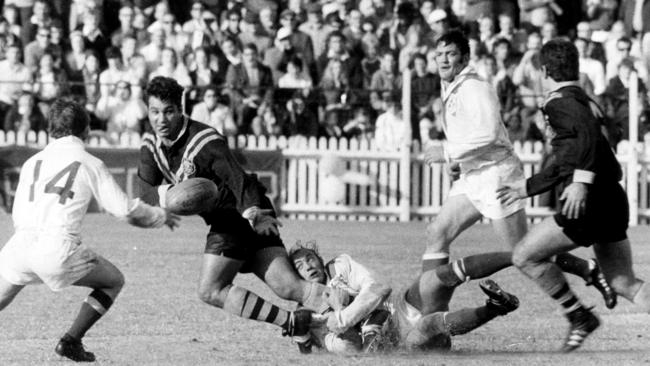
x: 188, y: 167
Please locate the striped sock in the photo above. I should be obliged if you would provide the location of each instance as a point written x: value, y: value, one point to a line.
x: 434, y: 260
x: 93, y: 308
x: 566, y: 298
x: 246, y: 304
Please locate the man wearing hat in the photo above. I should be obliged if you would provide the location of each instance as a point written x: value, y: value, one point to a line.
x: 300, y: 40
x: 438, y: 23
x: 277, y: 56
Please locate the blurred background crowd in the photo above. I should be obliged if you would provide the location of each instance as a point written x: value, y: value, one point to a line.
x: 328, y: 68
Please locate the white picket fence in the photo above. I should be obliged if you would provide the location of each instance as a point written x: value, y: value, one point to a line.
x: 403, y: 187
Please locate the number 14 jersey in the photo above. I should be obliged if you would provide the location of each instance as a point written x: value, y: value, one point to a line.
x: 56, y: 186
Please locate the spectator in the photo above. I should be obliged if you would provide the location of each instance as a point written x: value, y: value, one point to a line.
x: 195, y: 21
x: 170, y: 67
x: 351, y: 65
x: 334, y: 84
x: 353, y: 32
x: 369, y: 65
x: 230, y: 28
x: 369, y: 39
x: 24, y: 116
x: 507, y: 31
x: 265, y: 123
x: 40, y: 18
x: 299, y: 40
x: 11, y: 14
x: 480, y: 9
x: 75, y: 57
x: 231, y: 54
x: 385, y: 79
x: 215, y: 112
x: 93, y: 36
x: 122, y: 112
x: 206, y: 34
x: 152, y: 51
x: 425, y: 87
x: 548, y: 31
x: 276, y: 57
x: 487, y: 33
x: 299, y: 120
x: 250, y: 34
x: 394, y: 32
x: 600, y: 14
x: 535, y: 13
x: 431, y: 124
x: 174, y: 37
x: 595, y: 50
x: 250, y: 85
x: 617, y: 101
x: 267, y: 16
x: 91, y: 73
x: 518, y: 131
x: 126, y: 16
x: 624, y: 51
x: 359, y: 126
x: 50, y: 83
x: 330, y: 128
x: 593, y: 69
x: 203, y: 75
x: 527, y: 75
x: 502, y: 51
x: 295, y: 78
x: 438, y: 24
x: 315, y: 29
x: 114, y: 73
x: 35, y: 50
x: 14, y: 77
x: 391, y: 131
x: 412, y: 47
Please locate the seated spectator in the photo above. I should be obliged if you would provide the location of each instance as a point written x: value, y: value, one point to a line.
x: 299, y: 40
x: 206, y: 34
x: 4, y: 37
x: 11, y: 14
x: 214, y: 110
x: 50, y: 83
x: 507, y: 31
x: 170, y: 67
x: 75, y: 57
x: 331, y: 124
x: 359, y: 126
x: 24, y: 116
x: 152, y: 51
x: 431, y: 123
x: 250, y: 85
x: 295, y: 77
x: 315, y: 29
x: 277, y: 57
x: 203, y: 75
x: 527, y: 75
x: 35, y: 50
x: 41, y: 18
x: 126, y: 16
x: 425, y: 87
x: 93, y: 36
x: 617, y: 102
x: 194, y: 23
x: 351, y: 65
x: 593, y: 69
x: 624, y: 51
x: 595, y: 50
x: 412, y: 47
x: 369, y: 65
x: 334, y: 85
x: 14, y: 77
x: 91, y: 75
x: 487, y: 33
x: 250, y: 33
x: 369, y: 38
x: 299, y: 120
x: 391, y: 131
x: 230, y: 26
x: 174, y: 37
x: 353, y: 32
x: 122, y: 112
x: 385, y: 79
x: 267, y: 21
x: 230, y: 55
x: 600, y: 14
x: 265, y: 123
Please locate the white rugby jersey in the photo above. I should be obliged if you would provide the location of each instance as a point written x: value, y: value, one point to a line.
x: 475, y: 133
x: 57, y: 184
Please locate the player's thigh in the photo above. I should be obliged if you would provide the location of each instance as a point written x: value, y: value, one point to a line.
x: 541, y: 242
x: 217, y: 272
x: 615, y: 260
x: 511, y: 229
x: 8, y: 292
x: 273, y: 267
x: 456, y: 215
x: 105, y: 275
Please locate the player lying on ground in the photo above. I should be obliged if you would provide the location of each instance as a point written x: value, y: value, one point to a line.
x: 362, y: 319
x: 481, y: 159
x: 243, y: 234
x: 593, y: 208
x: 54, y: 190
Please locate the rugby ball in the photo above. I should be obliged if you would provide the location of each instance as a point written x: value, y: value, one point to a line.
x: 192, y: 196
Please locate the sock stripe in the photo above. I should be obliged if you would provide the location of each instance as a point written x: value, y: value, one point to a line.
x: 459, y: 270
x: 561, y: 292
x: 99, y: 301
x: 256, y: 308
x: 101, y: 310
x: 244, y: 303
x: 438, y: 255
x: 273, y: 314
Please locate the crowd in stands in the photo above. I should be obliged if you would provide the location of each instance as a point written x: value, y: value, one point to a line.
x: 330, y: 68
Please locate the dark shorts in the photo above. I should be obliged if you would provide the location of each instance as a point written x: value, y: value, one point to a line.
x: 605, y: 219
x: 232, y: 236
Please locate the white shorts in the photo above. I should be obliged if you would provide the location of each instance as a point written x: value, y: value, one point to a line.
x: 480, y: 185
x: 56, y: 261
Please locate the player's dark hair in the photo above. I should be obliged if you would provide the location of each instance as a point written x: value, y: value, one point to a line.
x: 560, y: 57
x: 457, y: 38
x: 67, y: 118
x: 300, y: 247
x: 166, y: 89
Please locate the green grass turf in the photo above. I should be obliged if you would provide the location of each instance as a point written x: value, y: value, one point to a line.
x: 159, y: 320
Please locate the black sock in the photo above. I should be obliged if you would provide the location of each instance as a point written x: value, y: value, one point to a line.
x: 93, y: 308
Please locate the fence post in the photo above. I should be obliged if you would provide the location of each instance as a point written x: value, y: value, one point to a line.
x: 633, y: 153
x: 405, y: 151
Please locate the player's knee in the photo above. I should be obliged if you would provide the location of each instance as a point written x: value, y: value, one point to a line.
x: 288, y: 291
x: 520, y: 259
x: 623, y: 285
x: 210, y: 295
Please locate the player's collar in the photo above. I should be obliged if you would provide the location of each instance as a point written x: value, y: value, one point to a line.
x: 467, y: 73
x: 67, y: 140
x: 180, y: 133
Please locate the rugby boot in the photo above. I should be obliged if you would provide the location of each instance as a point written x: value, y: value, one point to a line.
x: 583, y: 323
x: 597, y: 279
x: 298, y: 323
x: 73, y: 349
x: 304, y: 343
x: 499, y: 300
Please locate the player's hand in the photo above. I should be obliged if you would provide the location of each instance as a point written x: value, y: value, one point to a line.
x: 336, y: 298
x: 508, y: 195
x: 262, y: 221
x: 575, y: 200
x: 453, y: 169
x: 172, y: 221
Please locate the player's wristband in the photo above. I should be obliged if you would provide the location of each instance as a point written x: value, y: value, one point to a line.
x: 250, y: 213
x: 583, y: 176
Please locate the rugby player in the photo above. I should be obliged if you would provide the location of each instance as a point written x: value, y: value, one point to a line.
x: 480, y: 159
x: 363, y: 318
x: 243, y: 235
x: 593, y: 207
x: 54, y: 190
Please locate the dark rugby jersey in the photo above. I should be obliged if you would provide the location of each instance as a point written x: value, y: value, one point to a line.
x: 579, y: 145
x: 199, y: 151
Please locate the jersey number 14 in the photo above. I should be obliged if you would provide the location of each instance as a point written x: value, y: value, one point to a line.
x: 64, y: 191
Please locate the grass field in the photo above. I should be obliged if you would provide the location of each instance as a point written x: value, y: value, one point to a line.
x: 159, y: 320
